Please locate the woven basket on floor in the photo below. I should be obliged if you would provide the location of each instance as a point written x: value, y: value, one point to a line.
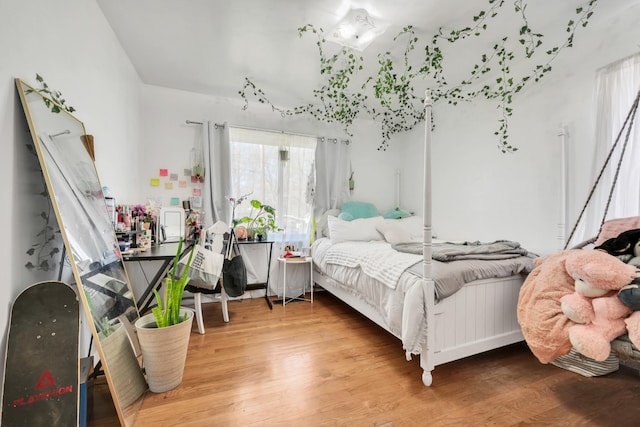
x: 624, y: 348
x: 576, y: 362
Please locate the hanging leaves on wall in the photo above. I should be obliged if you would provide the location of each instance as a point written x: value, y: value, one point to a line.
x: 388, y: 96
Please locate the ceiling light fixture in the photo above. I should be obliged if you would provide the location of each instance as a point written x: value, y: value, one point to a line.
x: 356, y: 30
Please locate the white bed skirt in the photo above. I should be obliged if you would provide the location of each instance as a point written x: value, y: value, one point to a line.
x: 479, y: 317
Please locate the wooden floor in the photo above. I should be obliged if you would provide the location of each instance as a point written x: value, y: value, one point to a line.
x: 323, y: 364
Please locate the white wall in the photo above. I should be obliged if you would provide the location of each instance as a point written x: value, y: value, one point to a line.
x: 71, y: 45
x: 480, y: 193
x: 167, y: 141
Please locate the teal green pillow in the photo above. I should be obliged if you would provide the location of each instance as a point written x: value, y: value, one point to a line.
x: 355, y: 210
x: 397, y: 213
x: 345, y: 216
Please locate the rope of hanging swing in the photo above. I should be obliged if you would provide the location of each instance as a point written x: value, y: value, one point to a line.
x: 628, y: 125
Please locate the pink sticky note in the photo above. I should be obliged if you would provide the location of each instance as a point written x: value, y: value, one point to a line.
x: 164, y: 172
x: 196, y: 191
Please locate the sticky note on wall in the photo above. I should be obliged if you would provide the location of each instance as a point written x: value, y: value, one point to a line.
x: 155, y: 182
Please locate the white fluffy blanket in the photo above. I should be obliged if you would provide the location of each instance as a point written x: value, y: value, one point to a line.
x: 374, y: 258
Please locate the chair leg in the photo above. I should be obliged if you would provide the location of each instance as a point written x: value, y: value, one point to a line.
x: 223, y: 301
x: 197, y: 300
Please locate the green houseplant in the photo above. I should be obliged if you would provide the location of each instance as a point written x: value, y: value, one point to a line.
x: 261, y: 219
x: 164, y: 333
x: 168, y: 313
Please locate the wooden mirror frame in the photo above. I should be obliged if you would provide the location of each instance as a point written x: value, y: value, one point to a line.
x: 63, y: 149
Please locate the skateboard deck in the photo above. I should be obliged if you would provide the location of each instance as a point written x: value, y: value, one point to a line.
x: 41, y: 372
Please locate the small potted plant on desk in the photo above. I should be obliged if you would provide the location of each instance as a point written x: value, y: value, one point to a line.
x: 261, y: 220
x: 164, y: 333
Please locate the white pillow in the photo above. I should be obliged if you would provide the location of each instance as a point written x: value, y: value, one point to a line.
x: 361, y: 229
x: 412, y: 225
x: 392, y: 232
x: 322, y: 228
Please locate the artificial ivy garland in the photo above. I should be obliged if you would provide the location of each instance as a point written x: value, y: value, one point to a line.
x: 394, y: 103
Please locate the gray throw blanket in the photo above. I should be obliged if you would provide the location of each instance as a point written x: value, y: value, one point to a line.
x: 500, y: 249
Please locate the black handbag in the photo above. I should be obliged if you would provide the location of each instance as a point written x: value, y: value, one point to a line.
x: 234, y: 273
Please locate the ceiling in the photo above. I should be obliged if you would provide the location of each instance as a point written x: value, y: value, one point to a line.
x: 210, y: 46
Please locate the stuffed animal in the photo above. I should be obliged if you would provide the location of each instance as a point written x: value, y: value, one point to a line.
x: 599, y: 315
x: 544, y: 326
x: 626, y: 246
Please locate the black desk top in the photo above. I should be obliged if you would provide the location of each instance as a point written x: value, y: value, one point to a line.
x: 255, y: 242
x: 160, y: 252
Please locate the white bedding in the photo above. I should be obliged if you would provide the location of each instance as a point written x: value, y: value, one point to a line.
x: 378, y: 260
x: 391, y: 282
x: 374, y: 258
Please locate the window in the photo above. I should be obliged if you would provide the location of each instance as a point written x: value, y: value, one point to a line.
x: 257, y: 168
x: 615, y: 91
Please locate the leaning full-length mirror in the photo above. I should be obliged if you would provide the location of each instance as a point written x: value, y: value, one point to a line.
x: 90, y: 243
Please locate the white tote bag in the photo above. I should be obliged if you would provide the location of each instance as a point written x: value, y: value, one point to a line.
x: 206, y: 266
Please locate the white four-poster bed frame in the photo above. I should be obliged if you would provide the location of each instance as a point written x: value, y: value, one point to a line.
x: 479, y: 317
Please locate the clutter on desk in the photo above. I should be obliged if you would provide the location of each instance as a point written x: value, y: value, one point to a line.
x: 134, y: 227
x: 139, y: 226
x: 193, y: 221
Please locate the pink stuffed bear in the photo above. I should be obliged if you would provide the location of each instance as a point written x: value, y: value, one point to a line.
x: 594, y: 306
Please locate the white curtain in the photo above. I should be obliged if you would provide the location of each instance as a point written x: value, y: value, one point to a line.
x: 333, y: 160
x: 257, y: 168
x: 217, y: 179
x: 616, y: 89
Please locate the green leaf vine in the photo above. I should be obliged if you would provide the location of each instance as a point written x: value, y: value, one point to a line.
x: 389, y: 96
x: 48, y: 244
x: 53, y: 99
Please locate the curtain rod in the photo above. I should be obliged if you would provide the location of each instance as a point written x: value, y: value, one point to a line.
x: 221, y: 125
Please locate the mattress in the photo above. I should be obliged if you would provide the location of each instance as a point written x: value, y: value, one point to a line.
x: 378, y: 260
x: 369, y: 271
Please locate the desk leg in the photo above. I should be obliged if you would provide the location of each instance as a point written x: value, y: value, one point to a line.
x: 311, y: 279
x: 266, y: 296
x: 156, y: 283
x: 266, y: 288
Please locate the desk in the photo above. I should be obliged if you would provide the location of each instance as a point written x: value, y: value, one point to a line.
x: 163, y: 255
x: 269, y: 251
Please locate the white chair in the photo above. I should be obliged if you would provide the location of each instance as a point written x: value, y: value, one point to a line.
x: 216, y: 235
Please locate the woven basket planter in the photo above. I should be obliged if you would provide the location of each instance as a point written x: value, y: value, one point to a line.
x: 164, y: 351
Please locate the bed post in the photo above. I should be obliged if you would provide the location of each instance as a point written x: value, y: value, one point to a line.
x: 426, y: 357
x: 562, y: 221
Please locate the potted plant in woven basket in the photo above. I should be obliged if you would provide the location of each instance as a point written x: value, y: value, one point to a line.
x: 164, y: 333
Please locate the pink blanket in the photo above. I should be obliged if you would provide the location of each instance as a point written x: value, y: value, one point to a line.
x: 544, y: 326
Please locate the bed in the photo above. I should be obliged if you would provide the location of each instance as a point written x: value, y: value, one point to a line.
x: 438, y: 325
